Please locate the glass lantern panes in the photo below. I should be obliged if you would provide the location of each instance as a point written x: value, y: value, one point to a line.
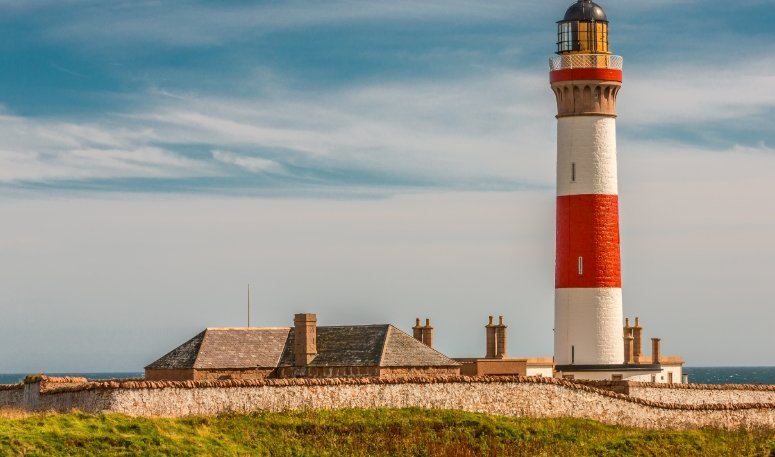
x: 586, y: 37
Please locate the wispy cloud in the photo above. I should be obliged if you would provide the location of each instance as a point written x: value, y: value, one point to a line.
x: 472, y: 133
x: 253, y: 164
x: 36, y: 150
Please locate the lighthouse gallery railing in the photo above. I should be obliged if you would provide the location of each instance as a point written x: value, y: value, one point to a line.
x: 569, y: 61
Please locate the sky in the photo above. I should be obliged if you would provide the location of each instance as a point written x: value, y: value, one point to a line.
x: 371, y: 162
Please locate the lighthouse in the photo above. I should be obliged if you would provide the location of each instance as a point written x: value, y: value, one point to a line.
x: 586, y: 78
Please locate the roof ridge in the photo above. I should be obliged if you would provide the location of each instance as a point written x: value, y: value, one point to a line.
x: 354, y: 325
x: 385, y: 342
x: 199, y: 349
x: 246, y: 328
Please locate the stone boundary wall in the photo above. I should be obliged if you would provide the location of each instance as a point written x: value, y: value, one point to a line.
x: 11, y: 395
x: 691, y: 394
x: 508, y: 396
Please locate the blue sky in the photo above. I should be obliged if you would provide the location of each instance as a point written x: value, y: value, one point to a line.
x: 390, y: 158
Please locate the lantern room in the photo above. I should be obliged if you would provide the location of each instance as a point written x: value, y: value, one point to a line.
x: 583, y: 30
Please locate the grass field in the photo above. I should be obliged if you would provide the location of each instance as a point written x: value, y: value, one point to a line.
x: 410, y: 432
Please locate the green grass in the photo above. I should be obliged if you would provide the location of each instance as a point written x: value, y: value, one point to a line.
x: 410, y: 432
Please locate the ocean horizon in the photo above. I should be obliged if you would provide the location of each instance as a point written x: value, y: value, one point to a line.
x: 697, y: 375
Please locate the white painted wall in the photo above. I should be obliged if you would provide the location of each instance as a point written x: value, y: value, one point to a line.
x: 545, y: 371
x: 676, y: 370
x: 608, y: 375
x: 591, y: 321
x: 590, y: 143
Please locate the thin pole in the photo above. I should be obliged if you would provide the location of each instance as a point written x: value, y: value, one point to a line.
x: 248, y: 305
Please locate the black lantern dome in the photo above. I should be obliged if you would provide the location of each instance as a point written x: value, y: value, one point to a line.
x: 585, y: 10
x: 583, y: 30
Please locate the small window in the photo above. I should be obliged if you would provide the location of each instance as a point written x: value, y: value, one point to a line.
x: 616, y: 377
x: 654, y: 378
x: 581, y: 266
x: 573, y: 172
x: 568, y: 377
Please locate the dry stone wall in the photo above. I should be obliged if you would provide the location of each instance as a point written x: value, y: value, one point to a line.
x: 11, y: 395
x: 512, y: 396
x: 692, y: 394
x: 698, y: 394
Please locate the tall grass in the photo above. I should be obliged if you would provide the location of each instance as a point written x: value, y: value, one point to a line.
x: 410, y: 432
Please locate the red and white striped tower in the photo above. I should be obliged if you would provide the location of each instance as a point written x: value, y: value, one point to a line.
x: 586, y: 79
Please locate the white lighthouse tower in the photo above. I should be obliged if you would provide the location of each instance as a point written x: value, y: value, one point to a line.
x: 586, y: 78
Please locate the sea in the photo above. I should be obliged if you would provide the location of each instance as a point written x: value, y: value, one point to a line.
x: 697, y: 375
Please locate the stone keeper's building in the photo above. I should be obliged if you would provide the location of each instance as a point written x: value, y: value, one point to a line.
x: 304, y: 350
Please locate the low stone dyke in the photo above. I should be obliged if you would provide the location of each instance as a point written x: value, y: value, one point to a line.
x: 506, y: 396
x: 11, y: 395
x: 692, y: 394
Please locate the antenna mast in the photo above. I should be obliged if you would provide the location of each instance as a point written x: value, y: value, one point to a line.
x: 248, y: 305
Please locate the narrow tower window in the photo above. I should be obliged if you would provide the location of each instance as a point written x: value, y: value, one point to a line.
x: 573, y: 355
x: 573, y: 172
x: 581, y: 266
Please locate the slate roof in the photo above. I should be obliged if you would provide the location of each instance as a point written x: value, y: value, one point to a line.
x: 337, y: 346
x: 182, y: 356
x: 344, y: 346
x: 241, y: 348
x: 402, y: 350
x: 228, y: 348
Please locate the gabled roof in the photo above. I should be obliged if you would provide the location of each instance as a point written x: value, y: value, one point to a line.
x: 337, y: 346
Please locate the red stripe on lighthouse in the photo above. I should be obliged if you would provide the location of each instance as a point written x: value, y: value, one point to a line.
x: 595, y: 74
x: 588, y: 242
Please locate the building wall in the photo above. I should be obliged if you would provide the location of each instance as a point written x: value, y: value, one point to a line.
x: 409, y: 372
x: 494, y: 367
x: 327, y: 372
x: 248, y: 373
x: 606, y: 376
x: 675, y: 370
x: 521, y: 397
x: 546, y: 371
x: 154, y: 374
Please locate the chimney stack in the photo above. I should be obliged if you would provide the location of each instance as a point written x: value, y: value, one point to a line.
x: 491, y: 349
x: 305, y: 338
x: 637, y: 333
x: 655, y: 355
x: 500, y: 336
x: 627, y: 328
x: 427, y: 334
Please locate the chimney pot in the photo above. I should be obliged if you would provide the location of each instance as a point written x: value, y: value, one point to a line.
x: 628, y: 349
x: 427, y: 333
x: 490, y: 347
x: 417, y: 331
x: 500, y: 339
x: 637, y: 333
x: 655, y: 350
